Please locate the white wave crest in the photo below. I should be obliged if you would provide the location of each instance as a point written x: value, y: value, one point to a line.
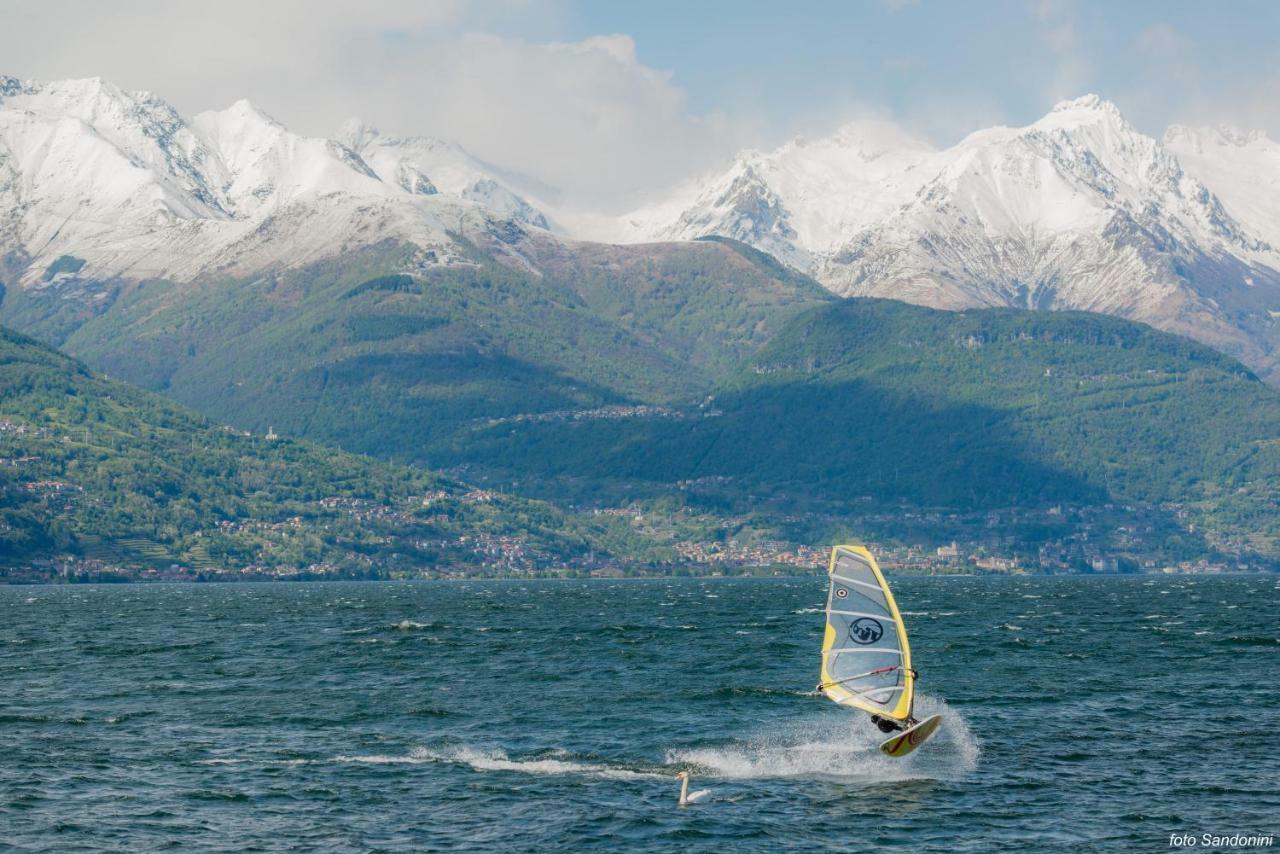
x: 253, y: 761
x: 841, y: 749
x: 499, y: 760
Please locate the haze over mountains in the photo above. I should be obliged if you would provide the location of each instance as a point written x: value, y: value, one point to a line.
x: 1076, y: 211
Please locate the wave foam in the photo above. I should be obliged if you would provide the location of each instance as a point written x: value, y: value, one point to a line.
x: 262, y: 762
x: 498, y: 760
x: 841, y: 749
x: 835, y: 747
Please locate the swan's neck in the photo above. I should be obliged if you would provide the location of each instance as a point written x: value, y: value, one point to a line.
x: 684, y: 790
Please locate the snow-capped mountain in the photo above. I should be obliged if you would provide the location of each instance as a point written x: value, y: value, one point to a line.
x: 259, y: 166
x: 1241, y: 169
x: 1076, y: 211
x: 123, y: 183
x: 423, y: 165
x: 80, y: 155
x: 800, y: 201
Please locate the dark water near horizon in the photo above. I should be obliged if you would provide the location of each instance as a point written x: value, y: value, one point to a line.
x: 1093, y: 713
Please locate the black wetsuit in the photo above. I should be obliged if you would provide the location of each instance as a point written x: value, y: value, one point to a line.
x: 887, y: 725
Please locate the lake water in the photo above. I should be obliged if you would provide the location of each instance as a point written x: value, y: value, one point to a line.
x: 531, y: 716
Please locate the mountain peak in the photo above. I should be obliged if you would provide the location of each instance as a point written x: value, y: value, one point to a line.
x: 355, y: 133
x: 90, y: 99
x: 88, y: 91
x: 1086, y: 102
x: 246, y: 111
x: 1087, y: 111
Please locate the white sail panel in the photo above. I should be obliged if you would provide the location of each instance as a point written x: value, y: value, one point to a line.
x: 866, y: 661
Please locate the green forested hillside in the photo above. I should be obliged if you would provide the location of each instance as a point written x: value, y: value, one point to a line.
x: 96, y: 473
x: 359, y: 353
x: 604, y: 374
x: 996, y: 408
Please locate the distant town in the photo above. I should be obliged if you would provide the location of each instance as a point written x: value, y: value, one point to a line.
x: 1072, y: 540
x: 1050, y: 540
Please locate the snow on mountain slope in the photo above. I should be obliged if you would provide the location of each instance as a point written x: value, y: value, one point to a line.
x: 800, y: 200
x: 85, y: 159
x: 1012, y: 205
x: 425, y: 166
x: 261, y: 166
x: 122, y: 182
x: 1242, y: 169
x: 1076, y: 211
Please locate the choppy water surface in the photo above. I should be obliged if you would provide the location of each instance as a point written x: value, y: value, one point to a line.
x: 1105, y: 712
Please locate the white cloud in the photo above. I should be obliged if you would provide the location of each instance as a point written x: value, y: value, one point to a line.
x: 1255, y: 107
x: 945, y: 120
x: 1181, y: 88
x: 587, y: 117
x: 1070, y: 70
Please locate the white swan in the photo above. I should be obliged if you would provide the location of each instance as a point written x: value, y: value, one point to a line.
x: 685, y: 797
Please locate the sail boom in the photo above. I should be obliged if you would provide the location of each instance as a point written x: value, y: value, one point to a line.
x: 857, y: 694
x: 842, y: 649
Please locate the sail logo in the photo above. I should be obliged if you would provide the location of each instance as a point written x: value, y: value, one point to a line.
x: 865, y: 630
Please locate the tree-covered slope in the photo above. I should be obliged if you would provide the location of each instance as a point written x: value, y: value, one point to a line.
x: 381, y: 352
x: 874, y: 398
x: 96, y: 473
x: 1132, y: 412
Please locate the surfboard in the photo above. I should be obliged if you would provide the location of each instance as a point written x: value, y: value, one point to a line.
x: 908, y: 740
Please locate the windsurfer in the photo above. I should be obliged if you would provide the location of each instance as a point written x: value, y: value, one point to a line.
x: 888, y: 725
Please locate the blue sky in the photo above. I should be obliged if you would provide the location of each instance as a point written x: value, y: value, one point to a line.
x: 611, y: 102
x: 971, y: 62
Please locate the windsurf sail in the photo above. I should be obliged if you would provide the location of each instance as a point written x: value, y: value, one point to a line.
x: 866, y: 662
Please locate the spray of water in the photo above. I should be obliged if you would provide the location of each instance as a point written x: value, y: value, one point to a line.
x: 558, y: 762
x: 841, y: 748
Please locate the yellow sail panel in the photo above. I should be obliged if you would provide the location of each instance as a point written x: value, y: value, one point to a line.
x: 866, y: 660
